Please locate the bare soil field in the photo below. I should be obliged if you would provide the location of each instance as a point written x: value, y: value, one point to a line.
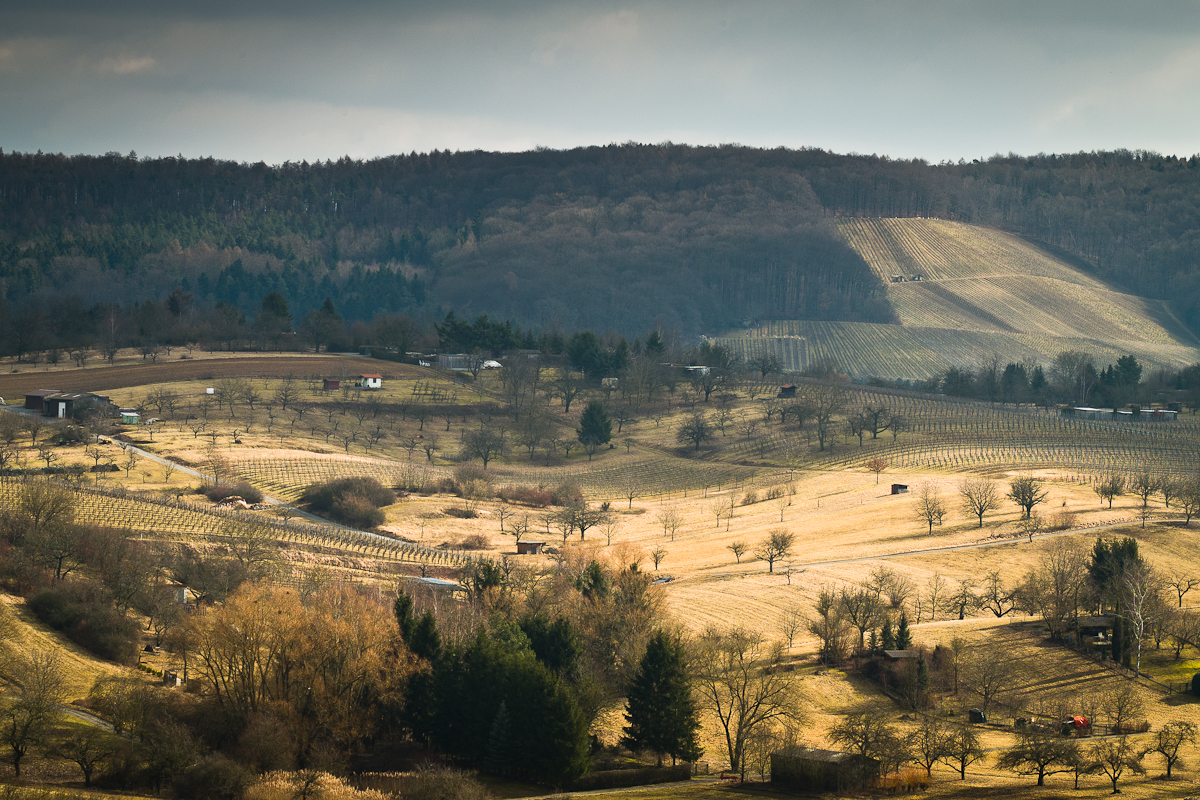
x: 103, y: 378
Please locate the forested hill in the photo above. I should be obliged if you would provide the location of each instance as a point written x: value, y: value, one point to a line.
x: 618, y: 237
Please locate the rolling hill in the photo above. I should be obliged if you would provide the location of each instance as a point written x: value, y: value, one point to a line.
x: 963, y: 292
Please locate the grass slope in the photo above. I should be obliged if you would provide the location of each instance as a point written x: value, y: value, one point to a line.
x: 982, y: 291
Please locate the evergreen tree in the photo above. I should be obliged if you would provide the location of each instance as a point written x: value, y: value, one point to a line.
x: 903, y: 634
x: 499, y: 752
x: 887, y: 639
x: 660, y: 712
x: 595, y: 428
x: 426, y: 642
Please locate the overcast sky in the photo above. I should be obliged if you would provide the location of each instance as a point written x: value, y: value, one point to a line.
x: 295, y: 80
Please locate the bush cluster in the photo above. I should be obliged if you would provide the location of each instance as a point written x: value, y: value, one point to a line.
x: 219, y: 491
x: 526, y: 495
x: 80, y: 610
x: 350, y: 501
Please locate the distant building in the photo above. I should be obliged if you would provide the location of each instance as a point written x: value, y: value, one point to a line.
x: 61, y: 405
x: 529, y: 548
x: 808, y: 769
x: 331, y: 384
x: 899, y: 488
x: 370, y: 381
x: 787, y: 390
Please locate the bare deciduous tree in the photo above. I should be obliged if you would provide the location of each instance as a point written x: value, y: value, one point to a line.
x: 777, y: 546
x: 735, y: 688
x: 979, y: 496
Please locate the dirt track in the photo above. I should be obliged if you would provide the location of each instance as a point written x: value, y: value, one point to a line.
x: 102, y: 378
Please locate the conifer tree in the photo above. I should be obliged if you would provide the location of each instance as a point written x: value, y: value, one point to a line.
x: 661, y: 712
x: 887, y: 639
x: 595, y: 428
x: 903, y: 634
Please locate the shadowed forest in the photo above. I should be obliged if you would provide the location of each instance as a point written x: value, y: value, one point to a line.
x: 621, y: 238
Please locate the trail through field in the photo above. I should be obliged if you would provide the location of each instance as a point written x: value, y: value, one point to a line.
x: 953, y: 547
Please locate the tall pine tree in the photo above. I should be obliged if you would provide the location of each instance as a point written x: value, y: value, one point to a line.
x: 661, y: 712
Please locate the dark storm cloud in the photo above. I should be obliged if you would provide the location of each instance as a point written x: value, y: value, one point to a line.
x: 314, y: 80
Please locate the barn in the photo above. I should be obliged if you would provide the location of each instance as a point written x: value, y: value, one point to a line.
x: 808, y: 769
x: 35, y: 400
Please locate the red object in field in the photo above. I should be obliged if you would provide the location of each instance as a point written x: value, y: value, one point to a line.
x: 1080, y: 722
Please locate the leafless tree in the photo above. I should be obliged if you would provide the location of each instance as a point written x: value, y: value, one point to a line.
x: 777, y: 546
x: 734, y: 687
x: 657, y: 555
x: 979, y: 496
x: 863, y: 609
x: 671, y: 520
x: 930, y: 507
x: 738, y: 549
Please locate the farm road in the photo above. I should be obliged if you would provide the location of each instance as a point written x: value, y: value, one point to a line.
x: 101, y: 379
x: 950, y: 548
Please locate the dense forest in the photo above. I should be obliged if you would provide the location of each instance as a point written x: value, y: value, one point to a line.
x: 622, y: 238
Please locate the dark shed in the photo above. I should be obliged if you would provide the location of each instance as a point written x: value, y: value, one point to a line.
x: 807, y: 769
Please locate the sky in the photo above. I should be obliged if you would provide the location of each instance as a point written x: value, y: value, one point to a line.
x: 276, y: 81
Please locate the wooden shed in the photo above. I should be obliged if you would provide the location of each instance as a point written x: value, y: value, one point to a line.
x: 808, y: 769
x: 331, y: 384
x: 899, y: 488
x: 787, y: 390
x: 529, y: 548
x: 35, y: 400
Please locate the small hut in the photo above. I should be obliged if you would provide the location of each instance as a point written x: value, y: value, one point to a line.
x: 331, y: 384
x: 899, y: 488
x: 370, y: 381
x: 807, y: 769
x: 787, y: 390
x: 529, y: 548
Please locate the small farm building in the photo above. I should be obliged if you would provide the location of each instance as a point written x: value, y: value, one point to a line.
x: 492, y: 364
x: 129, y: 416
x: 34, y: 401
x: 896, y: 656
x: 807, y: 769
x: 459, y: 362
x: 370, y: 381
x: 331, y: 384
x: 529, y: 548
x: 787, y: 390
x: 899, y: 488
x: 53, y: 403
x: 435, y: 586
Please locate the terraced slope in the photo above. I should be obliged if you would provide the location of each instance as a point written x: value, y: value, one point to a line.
x: 980, y: 291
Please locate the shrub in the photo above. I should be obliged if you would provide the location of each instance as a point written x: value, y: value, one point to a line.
x: 750, y: 499
x: 213, y: 777
x: 219, y: 491
x: 468, y: 472
x: 476, y: 541
x: 328, y: 497
x: 1062, y: 520
x: 290, y: 785
x: 460, y: 513
x: 526, y: 495
x: 81, y: 611
x: 567, y: 493
x: 356, y: 511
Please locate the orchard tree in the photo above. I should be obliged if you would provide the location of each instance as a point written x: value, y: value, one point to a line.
x: 777, y: 546
x: 979, y: 496
x: 1026, y: 491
